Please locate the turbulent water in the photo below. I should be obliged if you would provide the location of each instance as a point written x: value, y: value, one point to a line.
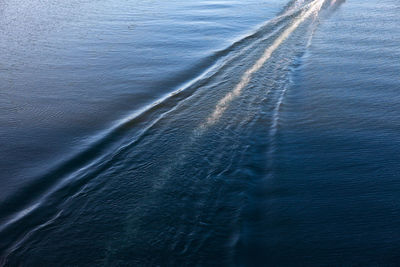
x: 203, y: 133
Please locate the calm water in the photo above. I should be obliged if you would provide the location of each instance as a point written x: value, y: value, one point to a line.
x: 209, y: 133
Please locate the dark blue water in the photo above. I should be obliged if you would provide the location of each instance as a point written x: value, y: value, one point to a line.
x: 170, y: 133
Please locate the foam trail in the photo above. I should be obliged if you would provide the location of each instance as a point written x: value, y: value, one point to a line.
x: 225, y: 101
x: 275, y: 116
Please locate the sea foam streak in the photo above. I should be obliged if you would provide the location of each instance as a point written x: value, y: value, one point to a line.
x: 245, y: 79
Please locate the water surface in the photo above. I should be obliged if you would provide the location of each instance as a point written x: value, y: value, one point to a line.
x: 199, y: 133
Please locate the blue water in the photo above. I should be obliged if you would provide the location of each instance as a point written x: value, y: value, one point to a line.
x: 210, y: 133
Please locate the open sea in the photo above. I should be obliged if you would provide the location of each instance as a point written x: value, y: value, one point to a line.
x: 200, y: 133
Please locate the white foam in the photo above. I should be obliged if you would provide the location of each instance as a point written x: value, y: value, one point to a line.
x: 223, y: 104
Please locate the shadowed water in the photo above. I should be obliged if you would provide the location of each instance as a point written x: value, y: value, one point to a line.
x: 200, y: 133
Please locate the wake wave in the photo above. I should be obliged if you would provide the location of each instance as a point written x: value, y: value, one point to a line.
x: 114, y: 137
x: 104, y: 150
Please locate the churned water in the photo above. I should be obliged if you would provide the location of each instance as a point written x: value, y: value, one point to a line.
x: 209, y: 133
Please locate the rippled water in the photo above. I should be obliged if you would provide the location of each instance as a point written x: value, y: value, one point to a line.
x: 206, y: 132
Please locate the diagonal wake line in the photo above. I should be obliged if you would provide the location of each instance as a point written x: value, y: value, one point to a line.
x: 28, y: 207
x: 223, y: 104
